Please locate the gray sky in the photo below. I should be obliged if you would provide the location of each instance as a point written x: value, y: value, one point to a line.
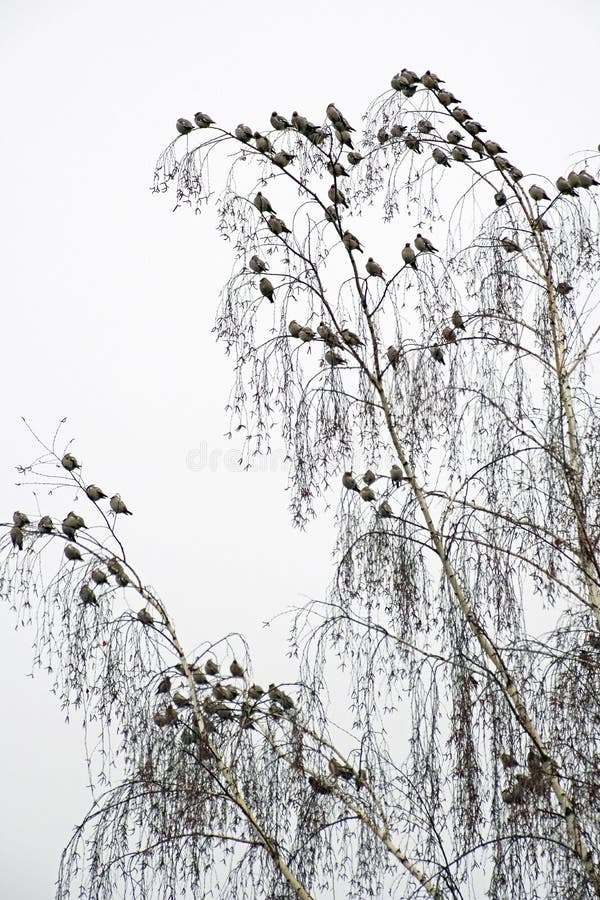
x: 108, y: 298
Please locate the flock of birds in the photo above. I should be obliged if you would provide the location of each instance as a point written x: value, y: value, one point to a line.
x: 407, y: 83
x: 366, y: 492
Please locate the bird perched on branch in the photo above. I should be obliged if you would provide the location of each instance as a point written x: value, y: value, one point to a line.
x: 393, y: 355
x: 510, y: 246
x: 493, y: 148
x: 339, y: 770
x: 385, y: 510
x: 236, y: 670
x: 263, y: 204
x: 184, y: 126
x: 87, y: 596
x: 99, y: 577
x: 94, y: 493
x: 243, y: 133
x: 437, y: 354
x: 72, y: 553
x: 337, y: 170
x: 423, y: 245
x: 369, y: 477
x: 266, y: 288
x: 279, y: 696
x: 203, y: 120
x: 329, y: 336
x: 474, y: 127
x: 440, y: 157
x: 538, y: 193
x: 460, y: 114
x: 335, y: 116
x: 349, y: 482
x: 118, y: 506
x: 351, y: 242
x: 277, y: 226
x: 20, y: 519
x: 211, y: 667
x: 367, y: 493
x: 283, y: 159
x: 263, y: 144
x: 279, y: 123
x: 336, y: 196
x: 45, y: 525
x: 383, y: 135
x: 294, y: 328
x: 334, y: 359
x: 71, y: 524
x: 409, y: 256
x: 586, y: 180
x: 306, y: 333
x: 257, y: 264
x: 373, y: 268
x: 447, y: 97
x: 396, y: 474
x: 457, y: 320
x: 345, y: 138
x: 449, y: 334
x: 413, y: 143
x: 351, y: 339
x: 460, y: 154
x: 16, y: 536
x: 564, y: 187
x: 397, y: 130
x: 69, y: 462
x: 454, y: 137
x: 354, y: 158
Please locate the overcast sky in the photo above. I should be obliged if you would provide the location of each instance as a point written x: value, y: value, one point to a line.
x: 108, y: 297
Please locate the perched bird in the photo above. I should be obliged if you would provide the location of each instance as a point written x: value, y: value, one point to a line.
x: 199, y: 677
x: 473, y: 127
x: 437, y: 354
x: 337, y: 170
x: 586, y: 180
x: 354, y: 158
x: 385, y: 510
x: 344, y: 137
x: 257, y: 264
x: 440, y: 157
x: 460, y: 154
x: 294, y: 328
x: 500, y: 198
x: 515, y: 173
x: 449, y: 334
x: 351, y: 339
x: 368, y: 494
x: 220, y: 692
x: 398, y: 82
x: 409, y: 76
x: 99, y: 577
x: 184, y: 126
x: 87, y: 595
x: 179, y: 699
x: 423, y: 245
x: 69, y: 462
x: 72, y: 553
x: 540, y: 224
x: 211, y: 667
x: 373, y: 268
x: 383, y: 135
x: 306, y: 334
x: 329, y: 336
x: 118, y: 506
x: 460, y: 114
x: 538, y: 193
x: 424, y: 126
x: 397, y: 130
x: 457, y: 320
x: 277, y: 226
x: 283, y: 159
x: 16, y: 536
x: 20, y: 519
x: 334, y: 115
x: 94, y: 493
x: 509, y: 245
x: 145, y: 618
x: 336, y: 196
x: 409, y: 256
x: 114, y: 566
x: 349, y: 482
x: 255, y: 692
x: 454, y: 137
x: 396, y: 474
x: 279, y: 696
x: 71, y: 524
x: 493, y: 148
x: 351, y: 242
x: 430, y: 81
x: 339, y: 770
x: 478, y: 146
x: 447, y: 97
x: 243, y: 133
x: 332, y: 214
x: 203, y: 120
x: 299, y: 122
x: 564, y: 187
x: 236, y: 670
x: 369, y: 477
x: 334, y: 359
x: 413, y: 143
x: 266, y: 288
x: 393, y: 355
x: 573, y: 179
x: 45, y: 525
x: 279, y: 123
x: 563, y: 288
x: 263, y: 144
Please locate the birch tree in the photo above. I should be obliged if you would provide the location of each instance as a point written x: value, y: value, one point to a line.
x: 417, y: 318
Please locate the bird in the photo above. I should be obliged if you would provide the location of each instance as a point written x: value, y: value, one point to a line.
x: 335, y: 116
x: 203, y: 120
x: 369, y: 477
x: 540, y: 224
x: 447, y: 97
x: 243, y: 133
x: 71, y: 524
x: 563, y: 288
x: 510, y: 246
x: 118, y: 506
x: 255, y: 692
x: 373, y: 268
x: 354, y: 158
x: 279, y: 696
x: 184, y: 126
x: 266, y: 288
x: 98, y: 576
x: 573, y: 179
x: 478, y: 146
x: 423, y: 245
x: 440, y: 157
x: 257, y: 264
x: 460, y: 114
x: 537, y: 193
x: 413, y: 143
x: 409, y: 257
x: 20, y: 519
x: 383, y: 135
x: 337, y: 170
x: 349, y: 482
x: 334, y: 359
x: 279, y: 123
x: 493, y: 148
x: 345, y: 138
x: 457, y: 320
x: 306, y: 334
x: 236, y: 670
x: 180, y: 699
x: 94, y: 493
x: 336, y: 196
x: 454, y: 137
x: 449, y: 334
x: 263, y: 144
x: 299, y: 122
x: 397, y: 130
x: 16, y: 536
x: 87, y: 595
x: 424, y: 126
x: 385, y: 510
x: 199, y: 677
x: 283, y: 159
x: 430, y: 81
x: 332, y: 214
x: 220, y: 692
x: 294, y: 328
x: 564, y: 187
x: 515, y: 173
x: 367, y: 494
x: 72, y: 553
x: 277, y: 226
x: 586, y: 180
x: 339, y: 770
x: 393, y: 355
x: 460, y: 154
x: 69, y: 462
x: 396, y: 474
x: 325, y: 332
x: 398, y: 82
x: 351, y: 242
x: 437, y: 354
x: 473, y: 127
x: 45, y: 525
x: 500, y: 198
x: 145, y: 618
x: 350, y: 338
x: 211, y: 667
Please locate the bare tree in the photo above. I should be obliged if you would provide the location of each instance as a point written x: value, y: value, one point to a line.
x: 446, y: 395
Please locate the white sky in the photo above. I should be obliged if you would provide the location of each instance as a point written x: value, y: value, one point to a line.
x: 108, y: 298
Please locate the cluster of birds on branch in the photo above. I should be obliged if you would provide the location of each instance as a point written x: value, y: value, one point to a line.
x: 366, y: 492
